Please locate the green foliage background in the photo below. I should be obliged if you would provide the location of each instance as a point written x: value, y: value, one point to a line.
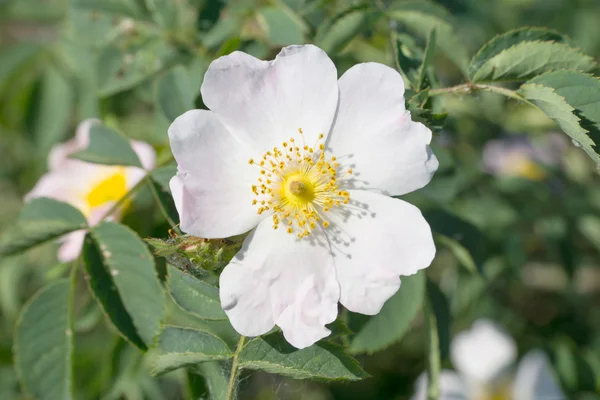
x: 524, y: 253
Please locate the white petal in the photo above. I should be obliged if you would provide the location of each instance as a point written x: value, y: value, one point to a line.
x: 214, y: 179
x: 265, y: 102
x: 373, y: 133
x: 147, y: 157
x: 481, y: 353
x: 375, y: 239
x: 534, y: 379
x: 279, y: 279
x: 452, y: 387
x: 59, y: 154
x: 71, y: 246
x: 145, y: 153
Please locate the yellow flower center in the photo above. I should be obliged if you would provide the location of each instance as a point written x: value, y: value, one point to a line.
x: 299, y: 185
x: 109, y: 189
x: 524, y: 167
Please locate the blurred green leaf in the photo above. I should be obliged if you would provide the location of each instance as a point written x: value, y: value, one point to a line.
x: 422, y: 19
x: 332, y: 36
x: 195, y: 296
x: 109, y: 147
x: 164, y: 12
x: 123, y: 280
x: 323, y: 361
x: 44, y: 344
x: 466, y: 241
x: 574, y: 370
x: 556, y: 107
x: 528, y: 59
x: 15, y: 57
x: 163, y: 175
x: 41, y: 220
x: 131, y: 8
x: 174, y: 93
x: 182, y: 347
x: 394, y: 319
x: 283, y: 27
x: 124, y: 67
x: 52, y: 109
x: 589, y: 226
x: 511, y: 38
x: 215, y: 379
x: 224, y: 29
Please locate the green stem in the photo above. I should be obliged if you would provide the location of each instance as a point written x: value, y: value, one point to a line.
x: 433, y: 353
x: 160, y: 204
x: 234, y: 369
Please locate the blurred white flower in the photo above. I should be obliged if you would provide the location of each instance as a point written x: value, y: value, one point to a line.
x: 92, y: 188
x: 519, y: 156
x: 307, y: 163
x: 482, y: 357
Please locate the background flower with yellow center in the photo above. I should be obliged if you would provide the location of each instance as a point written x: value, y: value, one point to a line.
x: 307, y: 164
x: 92, y: 188
x: 482, y: 357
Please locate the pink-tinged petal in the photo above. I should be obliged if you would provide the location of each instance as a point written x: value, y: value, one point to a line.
x: 71, y: 246
x: 59, y: 154
x: 145, y: 153
x: 534, y: 379
x: 374, y: 135
x: 375, y: 239
x: 214, y: 179
x: 483, y: 352
x: 451, y: 385
x: 279, y: 279
x: 264, y: 103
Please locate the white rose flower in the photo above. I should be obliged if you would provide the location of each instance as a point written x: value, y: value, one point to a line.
x: 308, y: 164
x: 92, y: 188
x: 482, y: 357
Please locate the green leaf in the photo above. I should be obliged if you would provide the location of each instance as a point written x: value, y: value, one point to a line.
x: 181, y: 347
x: 120, y: 69
x: 123, y: 279
x: 465, y: 240
x: 528, y: 59
x: 589, y: 226
x: 393, y: 320
x: 511, y: 38
x: 195, y: 296
x: 283, y: 27
x: 214, y: 378
x: 334, y: 35
x: 322, y: 361
x: 174, y: 93
x: 44, y: 344
x: 582, y: 92
x: 227, y: 27
x: 163, y: 176
x: 130, y: 8
x: 556, y: 107
x: 107, y: 146
x: 41, y: 220
x: 53, y: 109
x: 421, y: 20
